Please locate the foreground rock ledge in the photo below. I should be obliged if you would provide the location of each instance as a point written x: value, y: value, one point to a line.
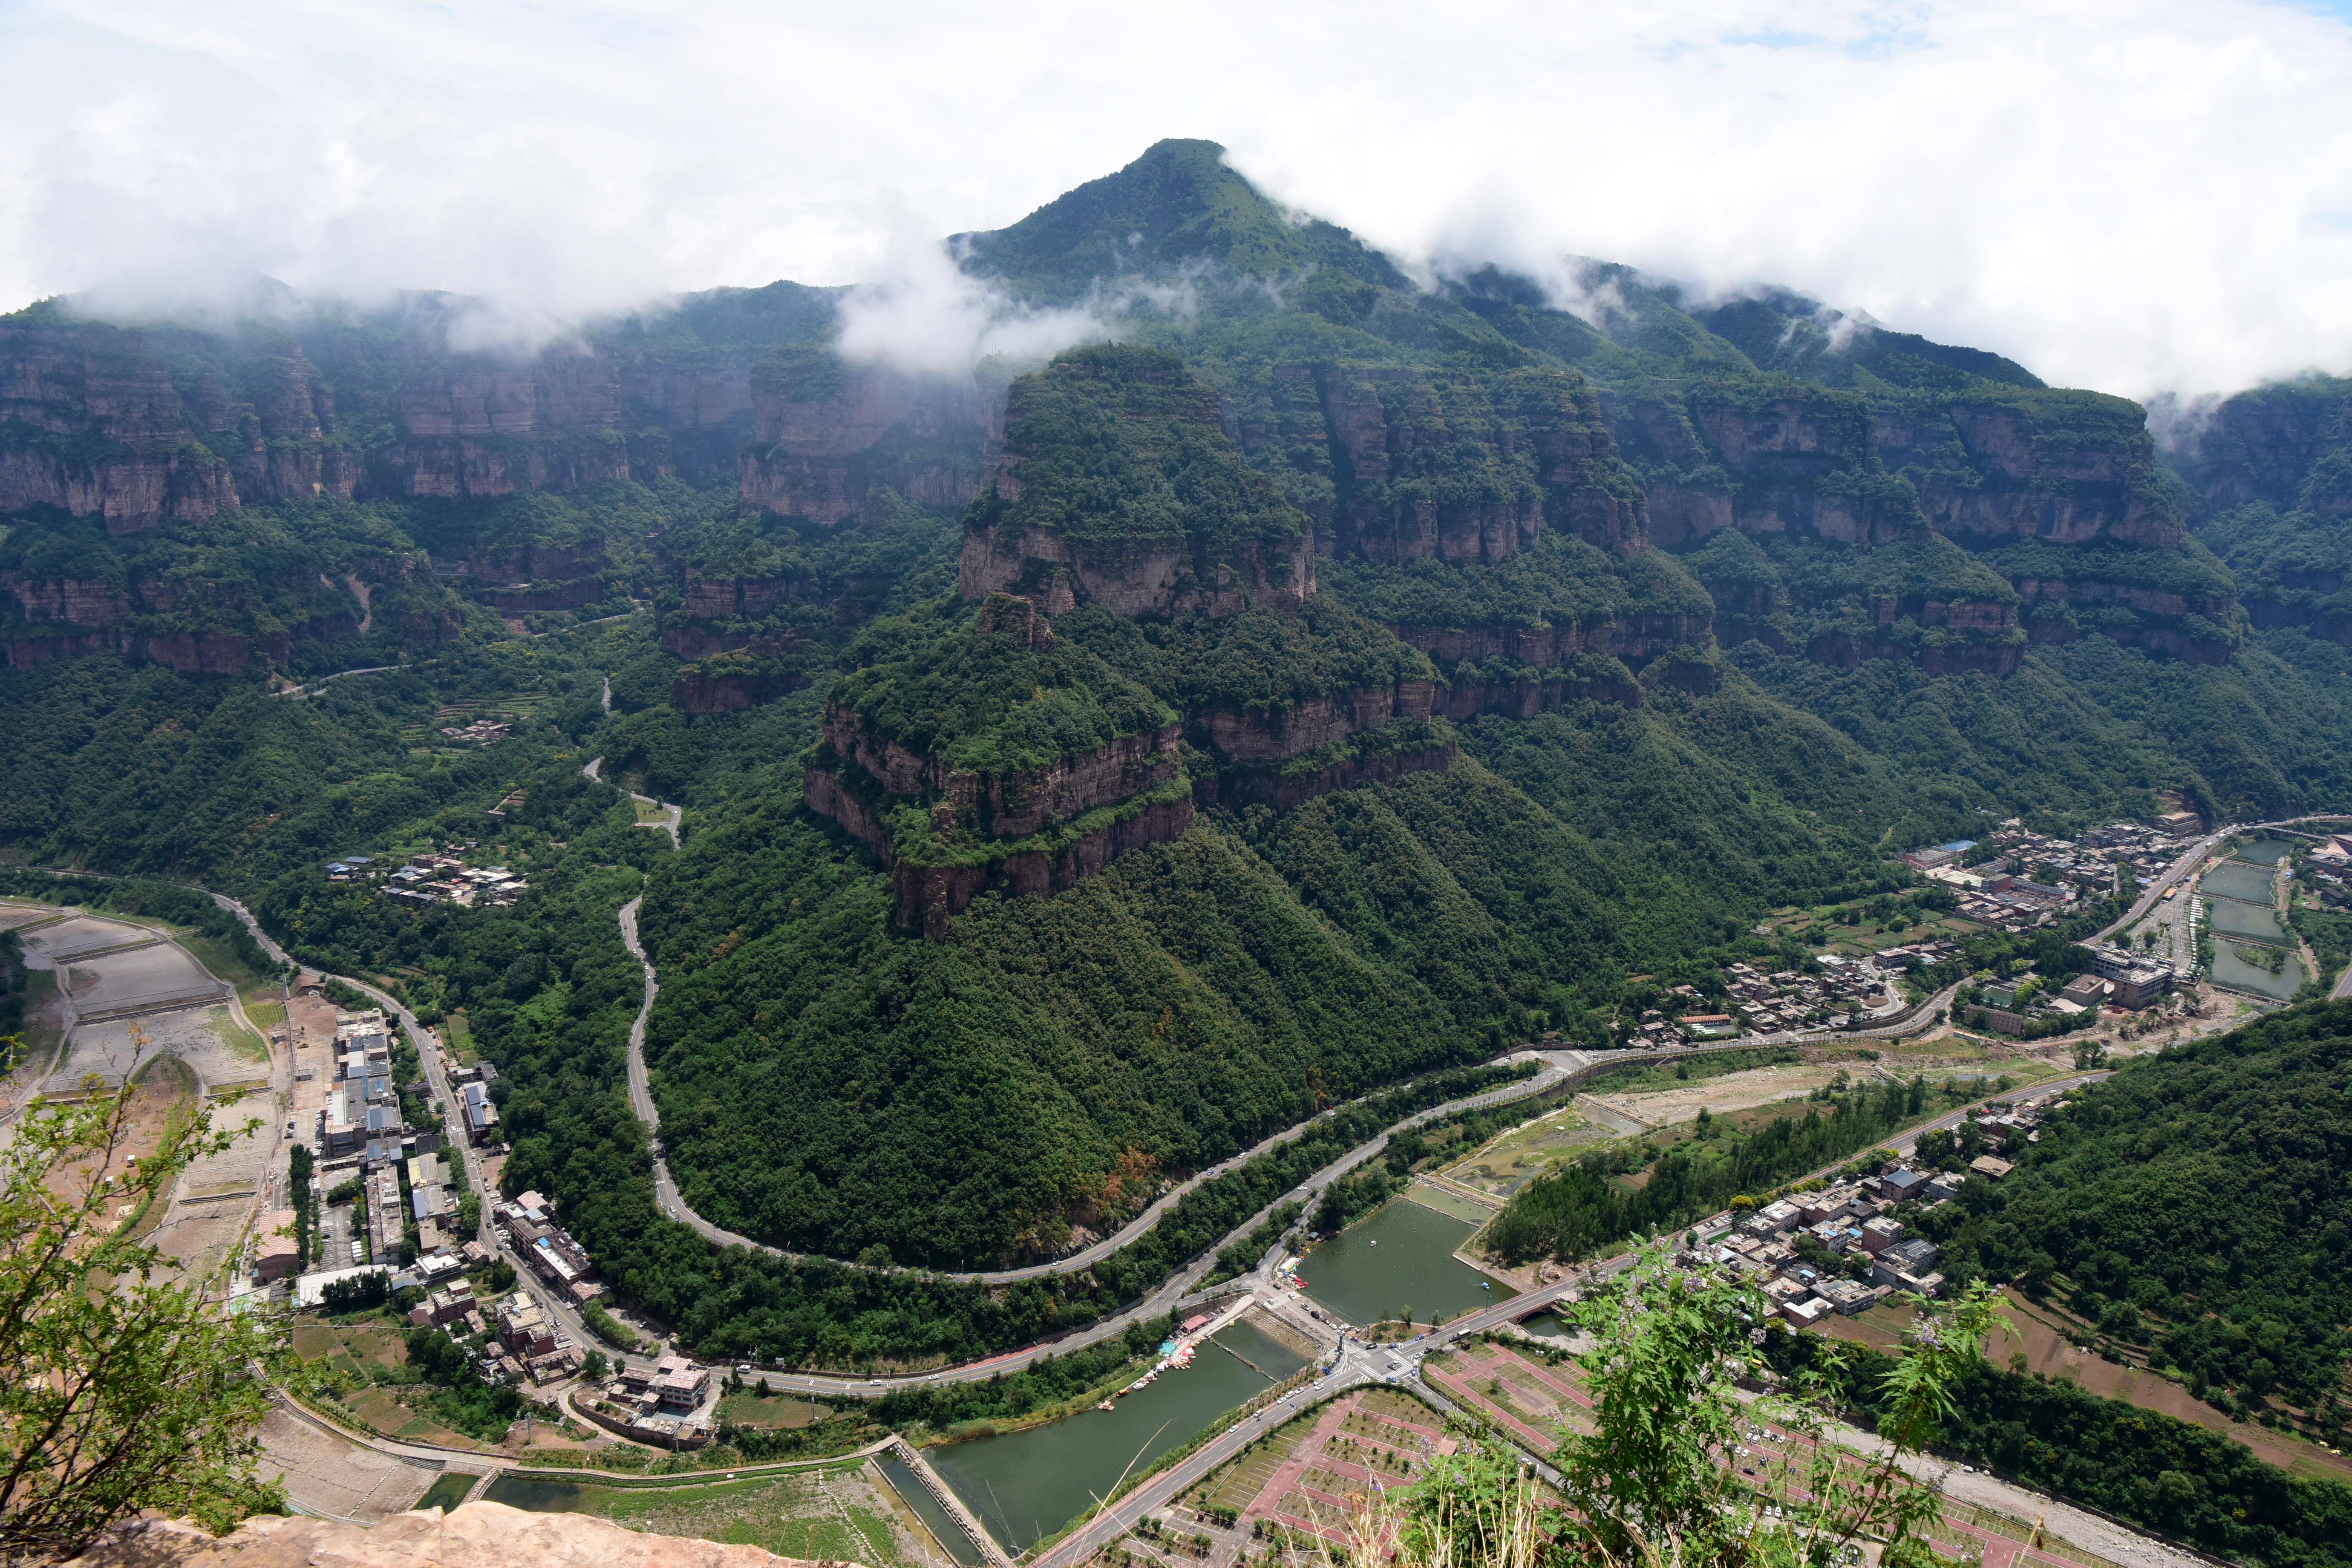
x: 475, y: 1535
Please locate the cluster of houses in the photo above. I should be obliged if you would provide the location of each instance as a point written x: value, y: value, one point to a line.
x: 1845, y: 989
x: 440, y: 877
x: 1846, y: 1247
x: 2328, y: 872
x: 480, y: 732
x: 447, y: 879
x: 528, y: 1226
x: 2030, y: 879
x: 1844, y: 992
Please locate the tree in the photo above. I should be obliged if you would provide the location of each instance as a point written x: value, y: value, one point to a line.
x: 2090, y: 1056
x: 1650, y: 1482
x: 592, y: 1366
x: 122, y: 1387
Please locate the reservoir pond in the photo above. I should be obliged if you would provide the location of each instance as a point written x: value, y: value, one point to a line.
x: 1402, y: 1258
x: 2236, y: 880
x: 2254, y: 921
x: 2240, y: 968
x: 2263, y: 852
x: 1024, y: 1486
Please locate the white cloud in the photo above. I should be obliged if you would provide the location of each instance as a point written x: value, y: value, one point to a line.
x: 2134, y: 195
x: 925, y: 313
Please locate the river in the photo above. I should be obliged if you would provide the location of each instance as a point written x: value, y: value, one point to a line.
x: 1025, y: 1485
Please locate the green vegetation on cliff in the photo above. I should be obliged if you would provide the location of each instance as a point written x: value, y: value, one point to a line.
x: 1121, y: 446
x: 1257, y: 661
x: 981, y: 697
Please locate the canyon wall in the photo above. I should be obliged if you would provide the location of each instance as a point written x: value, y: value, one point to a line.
x: 825, y: 432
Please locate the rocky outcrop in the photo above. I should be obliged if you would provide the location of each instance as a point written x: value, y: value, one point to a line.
x: 1846, y: 649
x: 1284, y: 790
x: 1005, y: 806
x: 2272, y: 443
x: 728, y: 691
x: 2053, y: 469
x: 1161, y: 518
x: 1523, y: 696
x: 719, y: 598
x: 142, y: 427
x: 1279, y: 734
x: 2092, y: 593
x: 90, y: 424
x: 2067, y: 467
x: 68, y: 617
x: 926, y: 896
x: 1450, y: 466
x: 1640, y: 636
x: 1128, y: 578
x: 473, y: 1535
x: 826, y: 432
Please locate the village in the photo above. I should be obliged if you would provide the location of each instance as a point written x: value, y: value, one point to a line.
x: 435, y: 876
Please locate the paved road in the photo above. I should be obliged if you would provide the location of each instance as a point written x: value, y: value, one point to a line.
x: 2188, y: 862
x: 311, y: 690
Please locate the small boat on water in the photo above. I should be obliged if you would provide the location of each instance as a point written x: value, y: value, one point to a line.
x: 1107, y: 1405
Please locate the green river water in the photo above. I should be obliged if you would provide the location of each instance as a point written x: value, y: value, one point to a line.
x: 1023, y: 1486
x: 1402, y: 1258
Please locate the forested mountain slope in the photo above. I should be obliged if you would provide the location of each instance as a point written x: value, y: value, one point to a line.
x: 2193, y: 1208
x: 1092, y: 766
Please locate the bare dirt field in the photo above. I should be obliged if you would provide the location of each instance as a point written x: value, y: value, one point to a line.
x: 153, y: 973
x: 326, y: 1473
x: 1732, y: 1091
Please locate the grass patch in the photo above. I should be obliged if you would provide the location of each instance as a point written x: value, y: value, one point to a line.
x: 771, y: 1414
x: 828, y: 1515
x: 239, y: 1040
x: 460, y: 1035
x: 447, y: 1492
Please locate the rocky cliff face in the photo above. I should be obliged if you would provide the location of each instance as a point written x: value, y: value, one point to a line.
x: 91, y: 423
x: 1450, y: 466
x: 720, y: 690
x: 64, y: 619
x: 2072, y: 467
x: 142, y: 427
x: 826, y: 432
x: 1637, y: 637
x: 2273, y: 444
x: 1128, y: 578
x: 1012, y: 805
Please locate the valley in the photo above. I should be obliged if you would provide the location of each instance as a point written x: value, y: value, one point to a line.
x: 1057, y: 961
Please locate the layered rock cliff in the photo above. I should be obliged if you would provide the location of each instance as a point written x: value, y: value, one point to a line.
x: 157, y: 603
x: 2070, y: 467
x: 1456, y: 466
x: 1117, y: 488
x: 996, y: 756
x: 827, y: 431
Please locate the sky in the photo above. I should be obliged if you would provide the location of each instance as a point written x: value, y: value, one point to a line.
x: 2145, y: 197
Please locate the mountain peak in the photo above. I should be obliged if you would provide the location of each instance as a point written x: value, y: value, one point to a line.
x: 1179, y: 204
